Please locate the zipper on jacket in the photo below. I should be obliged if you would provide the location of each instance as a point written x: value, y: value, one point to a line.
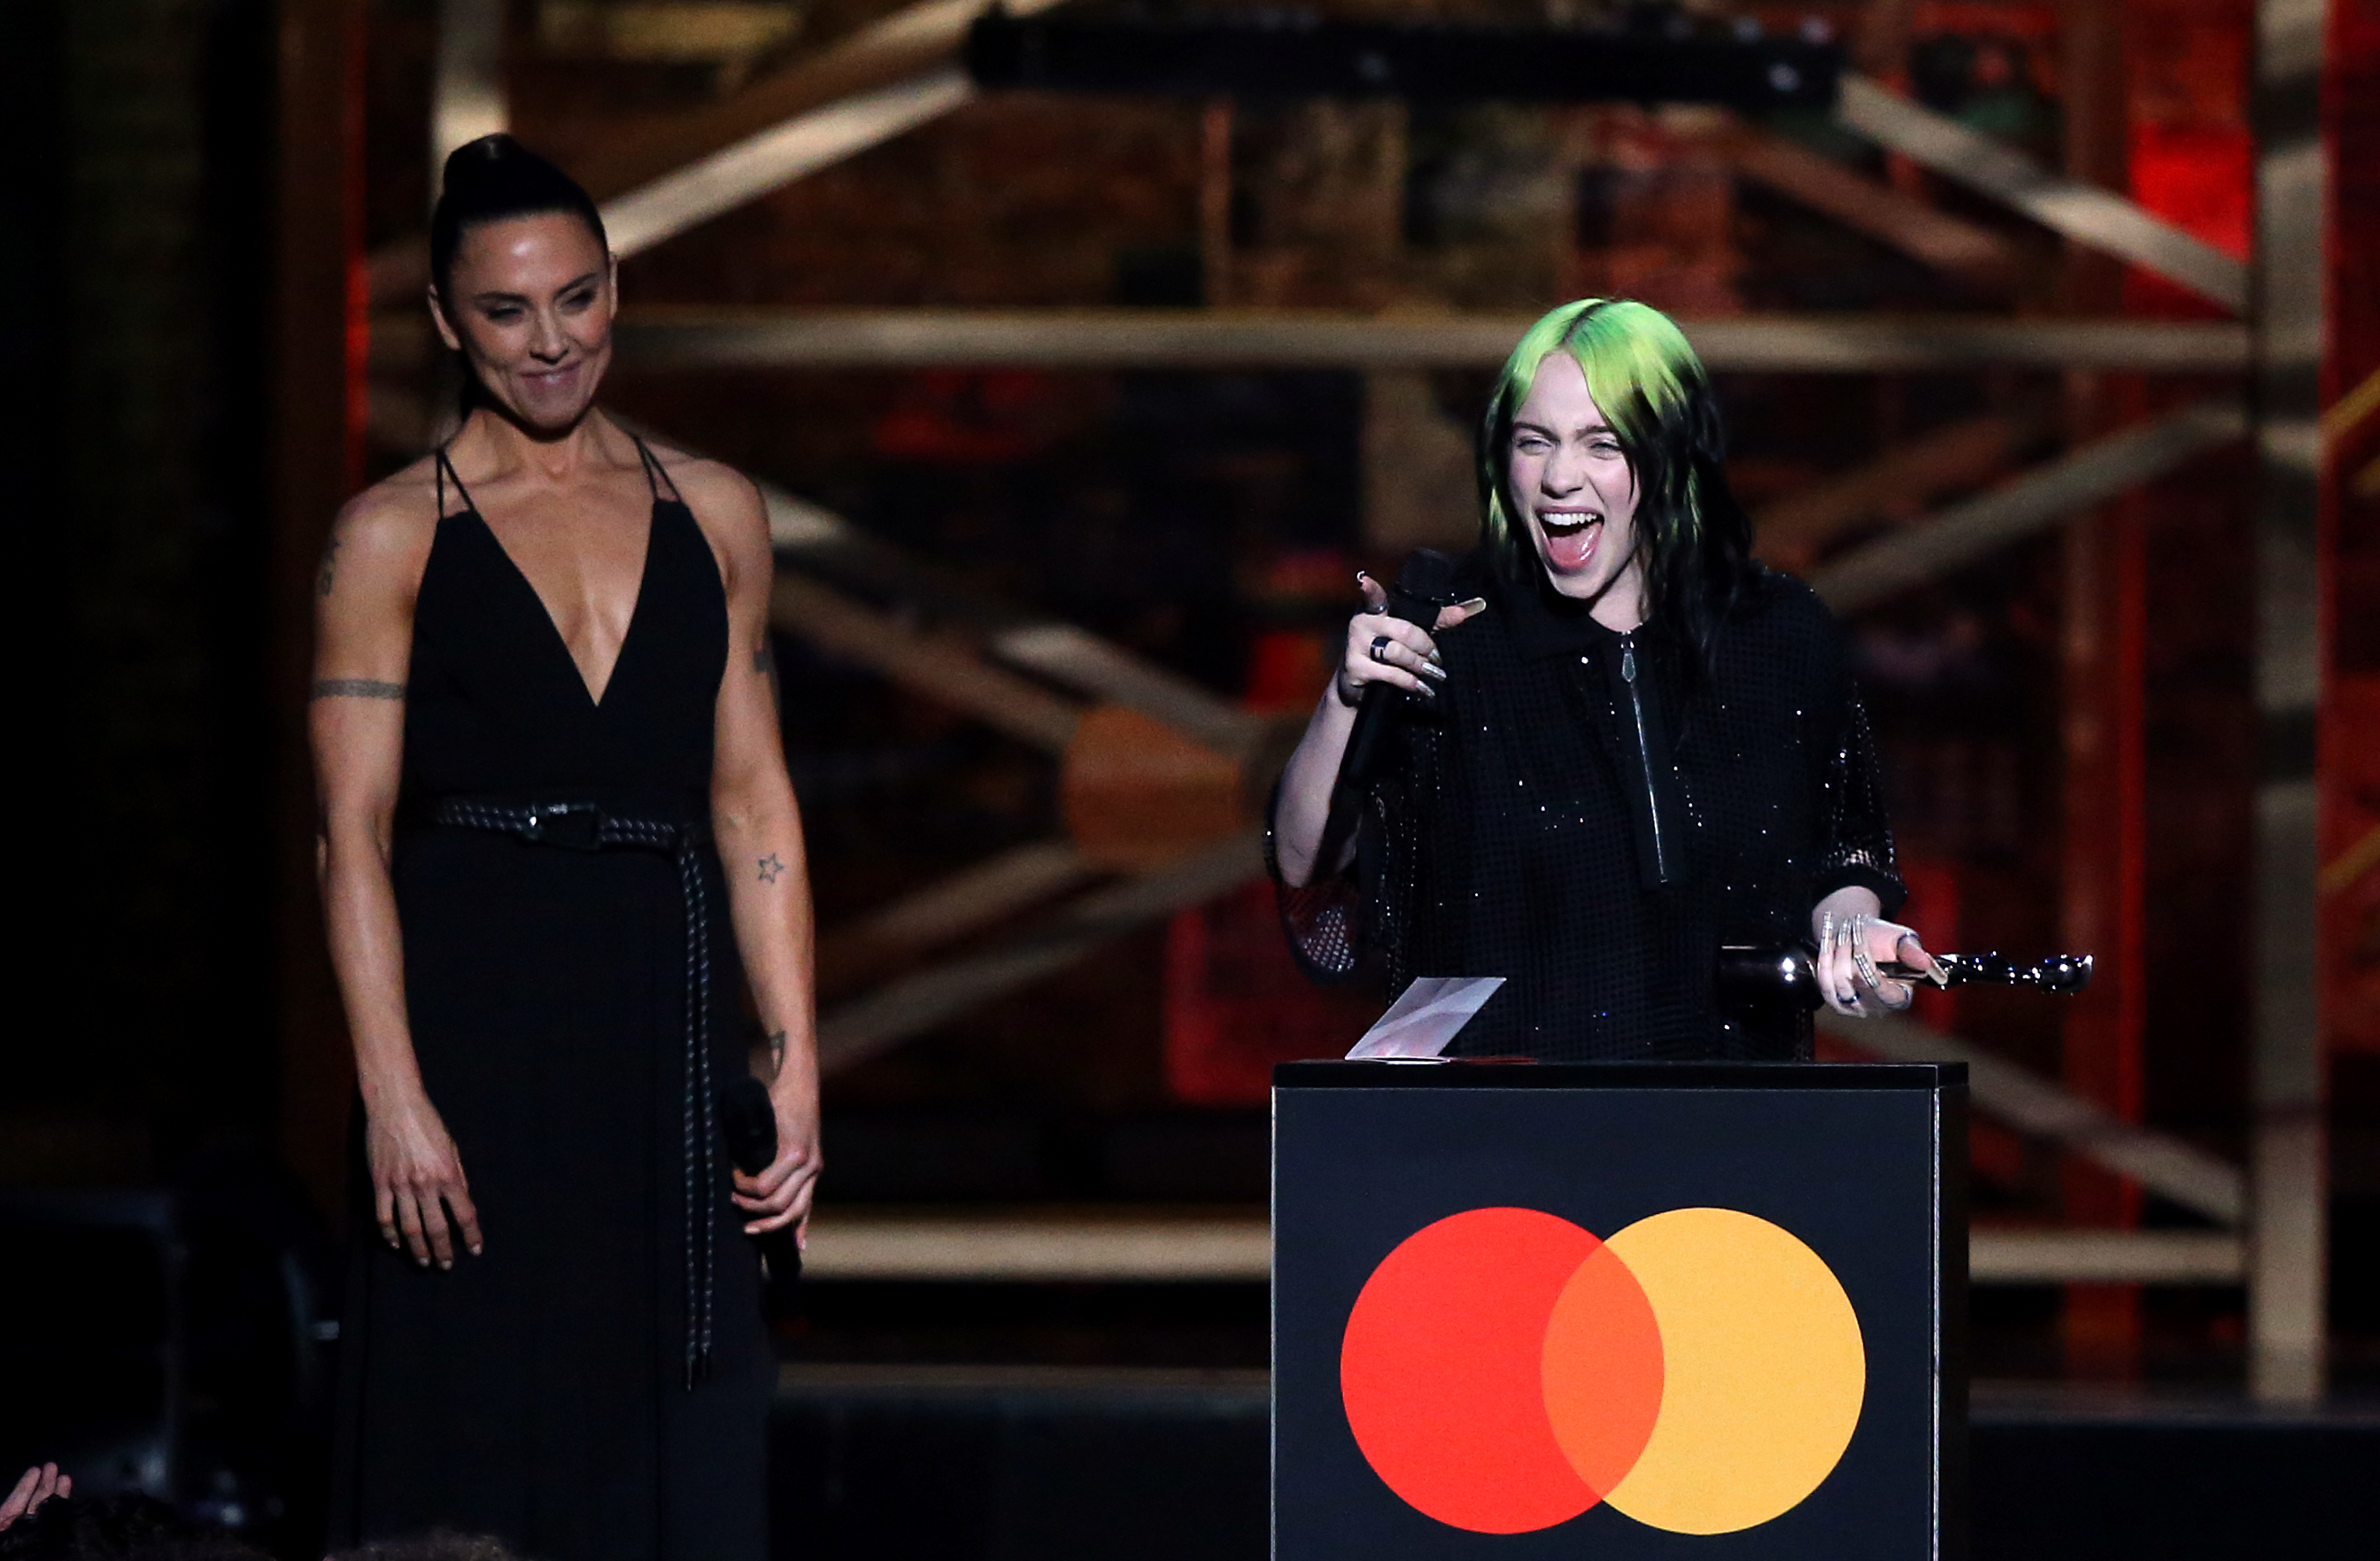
x: 1644, y: 755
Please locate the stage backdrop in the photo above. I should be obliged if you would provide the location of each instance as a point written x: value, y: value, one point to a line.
x: 1688, y: 1310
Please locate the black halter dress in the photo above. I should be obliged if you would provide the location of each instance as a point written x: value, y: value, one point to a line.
x: 595, y: 1386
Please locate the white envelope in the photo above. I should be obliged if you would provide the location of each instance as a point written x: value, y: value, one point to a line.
x: 1426, y: 1016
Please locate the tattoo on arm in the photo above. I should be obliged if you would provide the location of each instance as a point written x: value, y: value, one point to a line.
x: 771, y: 868
x: 764, y: 661
x: 776, y: 1049
x: 356, y: 688
x: 330, y: 570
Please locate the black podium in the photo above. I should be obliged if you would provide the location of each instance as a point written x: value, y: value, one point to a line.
x: 1619, y: 1311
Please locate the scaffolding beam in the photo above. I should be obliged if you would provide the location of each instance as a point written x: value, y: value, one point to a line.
x: 1927, y: 549
x: 2177, y: 1171
x: 2083, y: 213
x: 2287, y: 1162
x: 466, y: 81
x: 704, y: 337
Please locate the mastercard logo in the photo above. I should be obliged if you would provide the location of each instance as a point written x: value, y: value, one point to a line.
x: 1701, y: 1371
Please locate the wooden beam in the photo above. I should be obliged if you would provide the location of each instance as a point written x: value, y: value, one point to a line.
x: 1928, y: 548
x: 679, y: 338
x: 970, y: 900
x: 1152, y: 1246
x: 2290, y: 1161
x: 1967, y: 252
x: 2081, y: 211
x: 943, y: 670
x: 1793, y: 530
x: 922, y: 39
x: 2179, y: 1171
x: 869, y: 1026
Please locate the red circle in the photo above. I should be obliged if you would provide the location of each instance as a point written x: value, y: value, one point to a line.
x: 1440, y: 1370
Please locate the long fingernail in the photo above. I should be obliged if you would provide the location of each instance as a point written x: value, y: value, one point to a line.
x: 1427, y: 692
x: 1476, y: 604
x: 1432, y: 670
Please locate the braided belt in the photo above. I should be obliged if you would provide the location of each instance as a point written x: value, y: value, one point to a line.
x: 584, y: 827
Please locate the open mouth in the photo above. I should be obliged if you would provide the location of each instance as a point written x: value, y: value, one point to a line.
x: 1570, y: 536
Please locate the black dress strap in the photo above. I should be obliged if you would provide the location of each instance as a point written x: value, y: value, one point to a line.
x: 654, y: 475
x: 447, y: 474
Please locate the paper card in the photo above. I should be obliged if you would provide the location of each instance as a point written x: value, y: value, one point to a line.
x: 1426, y: 1016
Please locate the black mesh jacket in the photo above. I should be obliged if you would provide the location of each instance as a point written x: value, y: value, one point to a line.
x: 1580, y: 816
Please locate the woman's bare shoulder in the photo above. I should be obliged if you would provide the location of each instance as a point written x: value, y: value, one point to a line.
x: 385, y: 529
x: 725, y: 502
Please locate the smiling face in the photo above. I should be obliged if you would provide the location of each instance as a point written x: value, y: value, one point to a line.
x: 529, y: 303
x: 1573, y: 490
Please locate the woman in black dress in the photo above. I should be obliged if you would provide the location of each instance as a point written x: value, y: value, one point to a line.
x: 1625, y: 745
x: 545, y: 733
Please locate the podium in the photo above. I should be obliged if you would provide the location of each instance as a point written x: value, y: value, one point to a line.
x: 1619, y: 1309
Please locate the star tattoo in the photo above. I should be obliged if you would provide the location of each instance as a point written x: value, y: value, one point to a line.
x: 771, y: 868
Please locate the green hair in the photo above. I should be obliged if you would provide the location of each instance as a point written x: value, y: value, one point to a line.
x: 1694, y: 539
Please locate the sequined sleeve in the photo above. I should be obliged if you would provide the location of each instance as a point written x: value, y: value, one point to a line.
x: 1854, y: 833
x: 1324, y: 919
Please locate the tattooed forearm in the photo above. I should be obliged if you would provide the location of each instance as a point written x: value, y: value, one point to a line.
x: 776, y: 1049
x: 356, y: 688
x: 772, y: 868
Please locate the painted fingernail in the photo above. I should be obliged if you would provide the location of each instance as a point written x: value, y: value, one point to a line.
x: 1432, y: 670
x: 1476, y: 604
x: 1427, y: 692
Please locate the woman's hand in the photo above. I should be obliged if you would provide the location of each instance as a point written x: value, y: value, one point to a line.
x: 1854, y: 941
x: 1384, y: 649
x: 416, y: 1180
x: 780, y: 1194
x: 39, y: 1485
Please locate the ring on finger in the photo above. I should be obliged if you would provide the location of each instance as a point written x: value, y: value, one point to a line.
x: 1379, y: 647
x: 1861, y: 960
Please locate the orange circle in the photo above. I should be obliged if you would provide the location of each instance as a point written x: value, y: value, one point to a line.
x: 1766, y: 1371
x: 1602, y: 1370
x: 1441, y: 1370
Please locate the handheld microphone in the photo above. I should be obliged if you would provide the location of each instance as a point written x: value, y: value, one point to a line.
x: 748, y: 1120
x: 1424, y: 585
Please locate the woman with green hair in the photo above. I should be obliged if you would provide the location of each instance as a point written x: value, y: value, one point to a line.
x: 1623, y: 744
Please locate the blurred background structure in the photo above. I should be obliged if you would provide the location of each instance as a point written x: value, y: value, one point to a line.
x: 1082, y: 366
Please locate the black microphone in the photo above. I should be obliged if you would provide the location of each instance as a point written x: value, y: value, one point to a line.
x: 1425, y: 584
x: 748, y: 1119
